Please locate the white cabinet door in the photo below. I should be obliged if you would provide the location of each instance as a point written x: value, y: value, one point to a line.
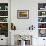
x: 41, y: 41
x: 3, y: 40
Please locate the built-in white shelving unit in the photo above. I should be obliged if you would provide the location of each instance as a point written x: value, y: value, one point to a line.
x: 42, y: 19
x: 4, y: 19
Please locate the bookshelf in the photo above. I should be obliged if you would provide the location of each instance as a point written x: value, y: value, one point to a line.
x: 42, y: 19
x: 4, y: 19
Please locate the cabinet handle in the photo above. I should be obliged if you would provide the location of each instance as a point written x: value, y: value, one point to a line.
x: 1, y: 39
x: 43, y: 39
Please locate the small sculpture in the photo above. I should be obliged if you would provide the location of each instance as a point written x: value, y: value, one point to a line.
x: 31, y: 27
x: 13, y: 27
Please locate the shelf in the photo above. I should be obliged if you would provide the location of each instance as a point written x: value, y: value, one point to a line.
x: 3, y: 22
x: 41, y: 22
x: 41, y: 10
x: 42, y: 37
x: 3, y: 10
x: 42, y: 16
x: 3, y: 16
x: 41, y: 28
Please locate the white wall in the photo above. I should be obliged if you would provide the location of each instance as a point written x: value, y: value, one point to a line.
x: 23, y: 24
x: 32, y: 6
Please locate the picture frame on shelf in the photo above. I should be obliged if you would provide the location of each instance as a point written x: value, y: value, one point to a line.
x: 22, y: 14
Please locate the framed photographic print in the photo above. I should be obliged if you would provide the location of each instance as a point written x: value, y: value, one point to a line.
x: 23, y: 14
